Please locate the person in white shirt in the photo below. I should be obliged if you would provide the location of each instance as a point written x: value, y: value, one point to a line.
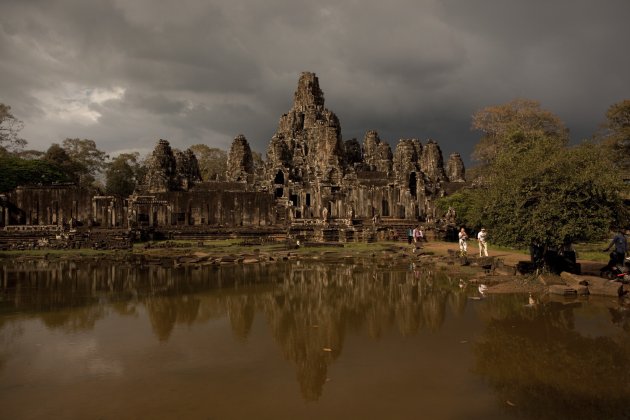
x: 483, y: 244
x: 463, y: 242
x: 418, y: 236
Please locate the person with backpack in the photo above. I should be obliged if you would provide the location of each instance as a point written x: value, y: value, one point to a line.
x: 620, y: 243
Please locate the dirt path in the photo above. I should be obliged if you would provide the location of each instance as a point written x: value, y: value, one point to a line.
x: 510, y: 258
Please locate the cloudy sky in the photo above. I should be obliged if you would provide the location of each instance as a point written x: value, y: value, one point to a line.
x: 126, y: 73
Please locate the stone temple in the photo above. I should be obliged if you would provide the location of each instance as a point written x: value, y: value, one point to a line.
x: 312, y: 185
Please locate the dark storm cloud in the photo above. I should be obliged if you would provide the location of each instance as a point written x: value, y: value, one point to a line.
x: 127, y: 73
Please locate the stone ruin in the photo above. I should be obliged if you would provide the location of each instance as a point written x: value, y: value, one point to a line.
x: 170, y: 170
x: 310, y: 177
x: 240, y: 162
x: 310, y: 169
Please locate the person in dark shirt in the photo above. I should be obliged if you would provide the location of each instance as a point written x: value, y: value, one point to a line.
x: 620, y: 243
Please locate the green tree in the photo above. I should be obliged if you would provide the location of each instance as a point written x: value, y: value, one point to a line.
x: 550, y: 195
x: 534, y: 188
x: 30, y: 154
x: 212, y: 162
x: 9, y: 130
x: 89, y: 160
x: 463, y: 203
x: 57, y: 156
x: 512, y: 124
x: 15, y: 171
x: 121, y: 174
x: 617, y: 132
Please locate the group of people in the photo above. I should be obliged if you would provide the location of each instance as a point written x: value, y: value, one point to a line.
x: 618, y: 256
x: 416, y: 236
x: 482, y: 238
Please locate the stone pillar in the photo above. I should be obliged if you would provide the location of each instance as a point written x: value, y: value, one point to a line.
x: 151, y: 215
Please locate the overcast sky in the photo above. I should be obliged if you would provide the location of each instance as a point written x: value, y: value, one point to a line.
x: 126, y: 73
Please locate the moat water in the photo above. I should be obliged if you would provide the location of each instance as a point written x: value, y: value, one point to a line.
x: 299, y: 340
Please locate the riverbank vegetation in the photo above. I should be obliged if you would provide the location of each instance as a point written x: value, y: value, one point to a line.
x: 532, y: 187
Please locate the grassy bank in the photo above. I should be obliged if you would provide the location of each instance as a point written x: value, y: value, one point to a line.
x: 589, y: 251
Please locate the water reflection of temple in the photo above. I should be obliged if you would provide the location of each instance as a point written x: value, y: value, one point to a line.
x: 529, y: 355
x: 308, y: 306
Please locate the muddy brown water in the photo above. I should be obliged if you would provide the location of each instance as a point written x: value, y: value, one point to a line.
x: 299, y: 340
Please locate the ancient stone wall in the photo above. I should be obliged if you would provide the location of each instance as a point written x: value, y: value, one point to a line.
x: 310, y: 175
x: 50, y: 205
x: 5, y: 210
x: 202, y: 208
x: 109, y: 211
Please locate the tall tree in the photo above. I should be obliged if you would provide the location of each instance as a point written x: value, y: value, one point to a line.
x: 212, y: 162
x: 514, y: 124
x: 550, y: 195
x: 30, y: 154
x: 535, y: 188
x: 9, y: 130
x: 617, y: 132
x: 16, y: 171
x: 122, y: 174
x: 89, y: 159
x: 58, y: 156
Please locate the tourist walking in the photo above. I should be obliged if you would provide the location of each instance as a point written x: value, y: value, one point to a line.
x: 409, y: 236
x: 620, y: 243
x: 463, y: 242
x: 418, y: 235
x: 483, y: 244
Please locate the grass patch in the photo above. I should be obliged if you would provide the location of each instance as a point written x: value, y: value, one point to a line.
x: 173, y: 248
x: 592, y: 251
x: 508, y: 249
x: 57, y: 253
